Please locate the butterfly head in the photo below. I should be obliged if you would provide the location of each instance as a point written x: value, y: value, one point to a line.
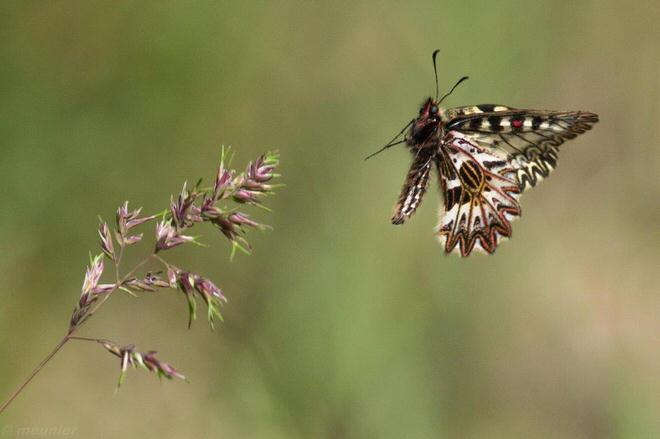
x: 429, y: 110
x: 426, y: 124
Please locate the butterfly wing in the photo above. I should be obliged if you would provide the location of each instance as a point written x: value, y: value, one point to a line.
x: 480, y: 196
x: 455, y: 112
x: 529, y: 139
x: 414, y: 187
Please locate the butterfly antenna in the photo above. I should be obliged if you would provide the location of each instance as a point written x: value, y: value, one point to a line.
x: 453, y: 88
x: 392, y: 142
x: 389, y: 145
x: 435, y: 72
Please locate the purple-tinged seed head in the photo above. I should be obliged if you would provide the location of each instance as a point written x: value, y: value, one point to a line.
x: 106, y: 240
x: 242, y: 219
x: 126, y: 220
x: 246, y: 196
x: 168, y: 237
x: 222, y: 182
x: 93, y: 274
x: 208, y: 289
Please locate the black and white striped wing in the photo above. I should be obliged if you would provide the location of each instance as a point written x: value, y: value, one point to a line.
x: 414, y: 188
x: 528, y: 139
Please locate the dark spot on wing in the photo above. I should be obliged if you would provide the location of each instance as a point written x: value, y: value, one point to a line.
x: 475, y: 124
x: 471, y: 175
x: 495, y: 123
x: 494, y: 163
x: 453, y: 196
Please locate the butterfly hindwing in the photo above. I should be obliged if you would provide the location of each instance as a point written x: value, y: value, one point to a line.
x: 480, y: 196
x: 528, y: 138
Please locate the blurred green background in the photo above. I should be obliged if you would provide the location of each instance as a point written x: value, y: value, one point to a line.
x: 340, y: 325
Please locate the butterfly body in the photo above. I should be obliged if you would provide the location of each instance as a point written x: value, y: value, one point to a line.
x: 485, y: 156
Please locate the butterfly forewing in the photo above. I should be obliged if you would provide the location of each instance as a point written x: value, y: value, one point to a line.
x: 528, y: 138
x: 414, y: 187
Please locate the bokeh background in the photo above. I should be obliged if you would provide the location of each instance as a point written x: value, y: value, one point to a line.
x: 340, y: 325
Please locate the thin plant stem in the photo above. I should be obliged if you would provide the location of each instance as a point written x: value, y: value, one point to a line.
x: 118, y: 261
x: 34, y: 373
x: 109, y: 293
x: 161, y: 260
x: 95, y: 340
x: 70, y: 335
x: 247, y: 187
x: 136, y: 268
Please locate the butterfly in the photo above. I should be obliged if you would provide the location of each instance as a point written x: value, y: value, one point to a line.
x: 486, y: 156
